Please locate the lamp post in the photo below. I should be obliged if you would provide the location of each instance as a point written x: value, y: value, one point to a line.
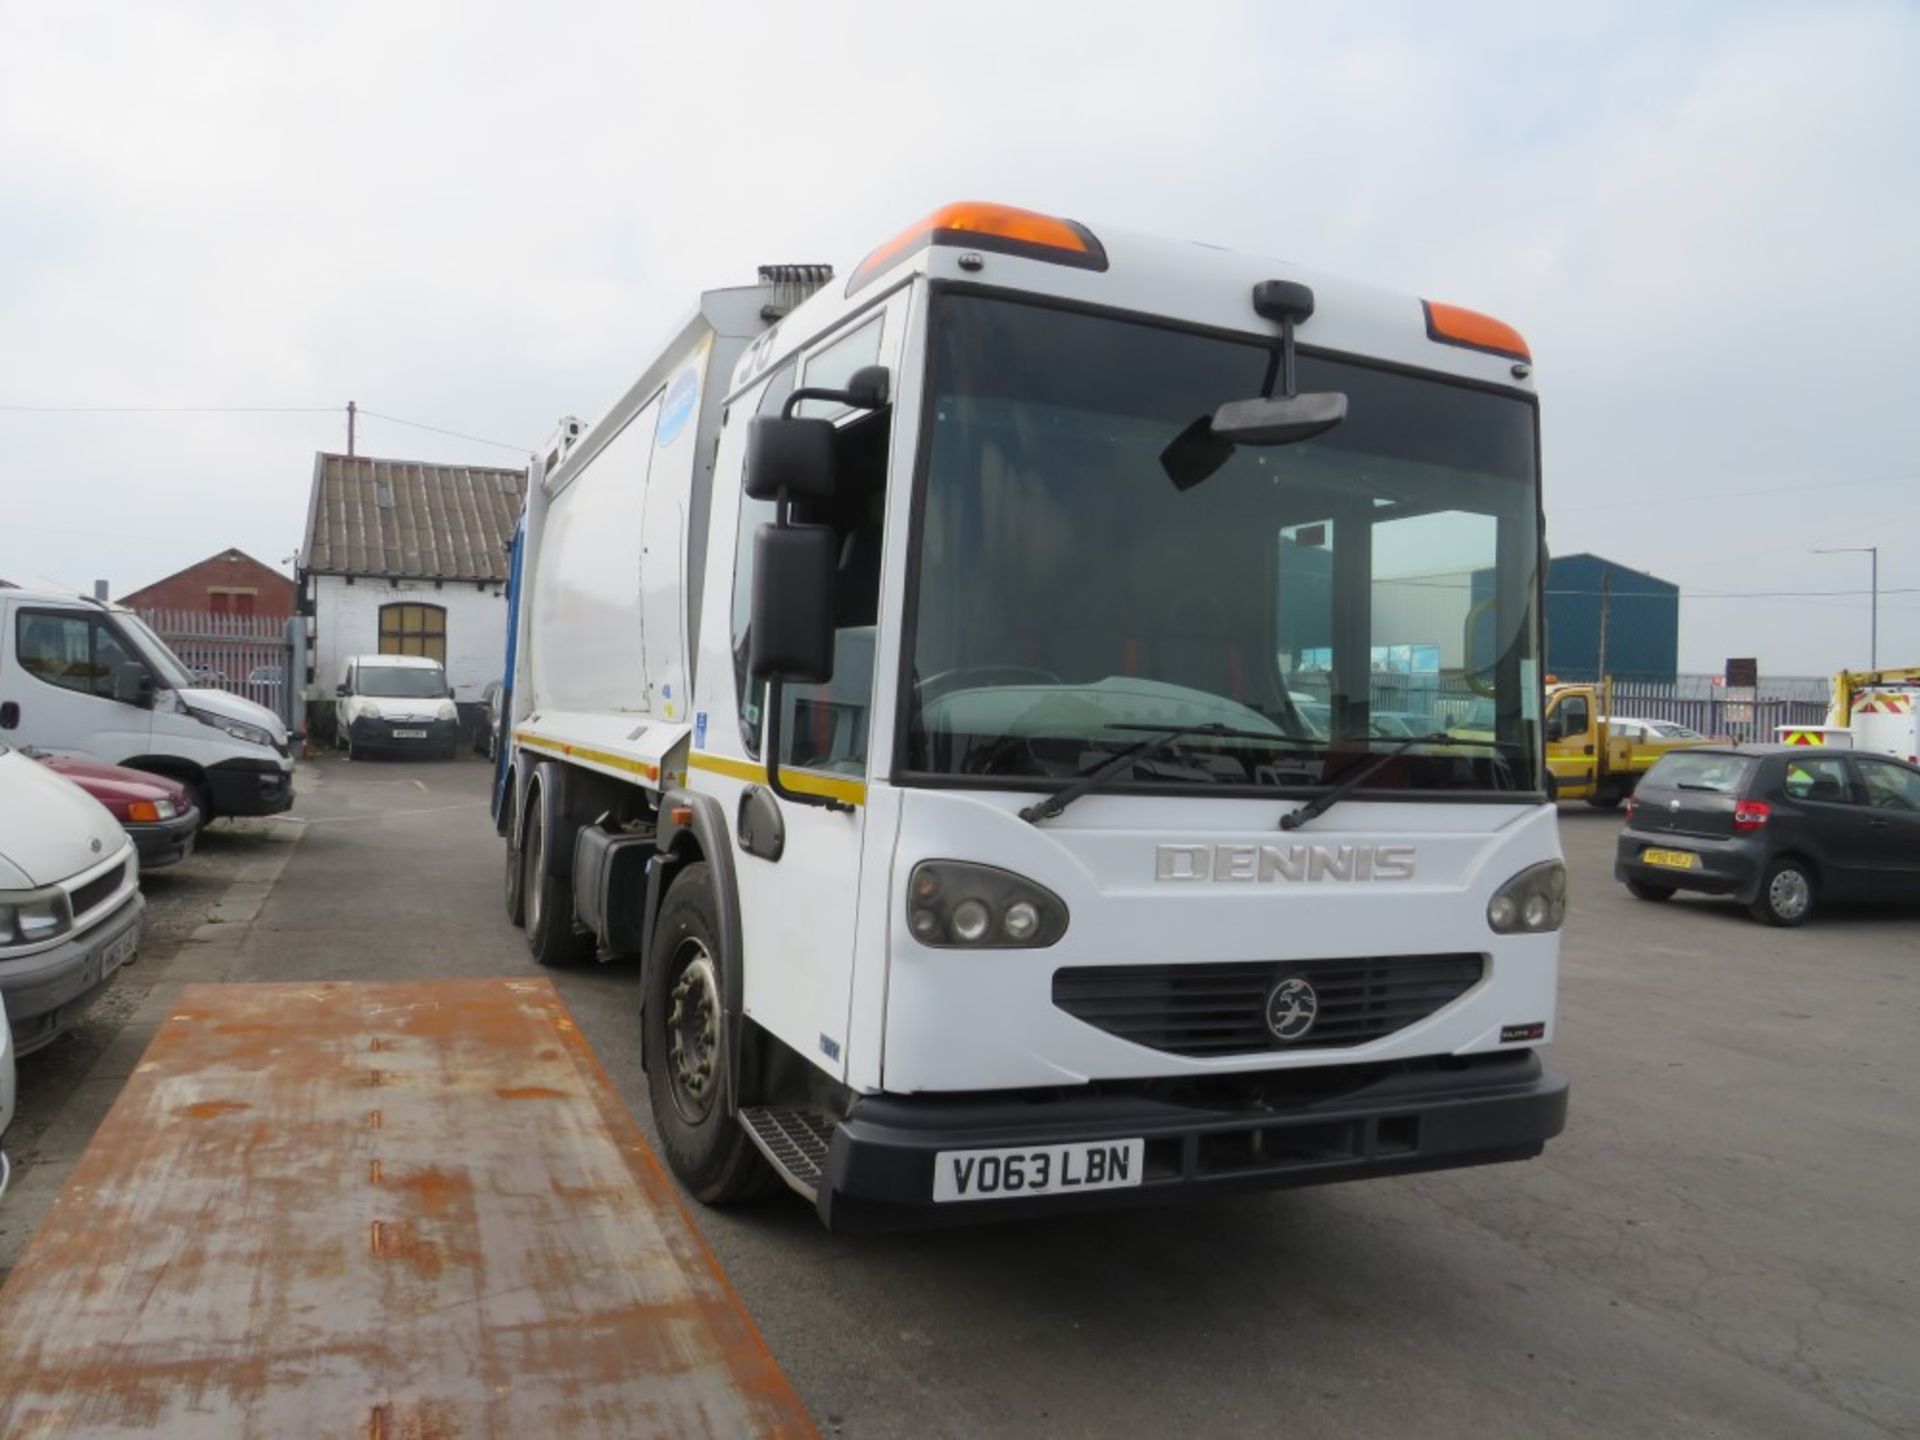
x: 1873, y: 643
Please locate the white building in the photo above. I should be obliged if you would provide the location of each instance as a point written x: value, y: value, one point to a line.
x: 405, y: 558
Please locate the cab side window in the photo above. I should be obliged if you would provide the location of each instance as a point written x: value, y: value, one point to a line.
x: 1821, y: 780
x: 1888, y: 786
x: 1570, y: 718
x: 825, y: 726
x: 75, y: 652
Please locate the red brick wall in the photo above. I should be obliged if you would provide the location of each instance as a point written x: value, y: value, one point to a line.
x: 232, y: 582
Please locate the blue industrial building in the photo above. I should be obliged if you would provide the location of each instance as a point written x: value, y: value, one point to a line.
x: 1642, y: 621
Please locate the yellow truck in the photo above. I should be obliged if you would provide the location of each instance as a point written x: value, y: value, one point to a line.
x: 1593, y: 756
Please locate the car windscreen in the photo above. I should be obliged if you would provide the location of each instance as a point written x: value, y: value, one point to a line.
x: 394, y: 682
x: 1722, y: 774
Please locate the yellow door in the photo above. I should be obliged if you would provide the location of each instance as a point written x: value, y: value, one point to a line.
x: 1570, y: 743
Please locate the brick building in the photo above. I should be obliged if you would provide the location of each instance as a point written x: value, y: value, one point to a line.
x: 230, y: 583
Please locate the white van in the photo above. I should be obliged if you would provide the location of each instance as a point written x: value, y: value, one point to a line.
x: 80, y: 677
x: 396, y: 704
x: 70, y: 899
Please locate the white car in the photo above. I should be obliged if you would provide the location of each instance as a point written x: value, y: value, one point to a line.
x: 6, y: 1092
x: 396, y: 704
x: 70, y: 900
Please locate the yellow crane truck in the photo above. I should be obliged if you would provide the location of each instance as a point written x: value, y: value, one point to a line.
x: 1589, y: 756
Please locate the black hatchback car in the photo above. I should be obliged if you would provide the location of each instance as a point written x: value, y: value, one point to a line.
x: 1780, y: 828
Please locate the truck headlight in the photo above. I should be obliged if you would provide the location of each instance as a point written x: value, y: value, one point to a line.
x: 954, y: 904
x: 447, y: 711
x: 238, y: 729
x: 29, y: 916
x: 1532, y: 902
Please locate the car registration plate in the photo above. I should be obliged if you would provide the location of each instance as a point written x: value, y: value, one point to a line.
x: 120, y: 951
x: 409, y: 734
x: 1670, y: 859
x: 1038, y: 1170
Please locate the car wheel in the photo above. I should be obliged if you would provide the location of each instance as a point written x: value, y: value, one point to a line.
x: 1647, y: 890
x: 552, y: 935
x: 1786, y: 894
x: 516, y: 876
x: 686, y: 1041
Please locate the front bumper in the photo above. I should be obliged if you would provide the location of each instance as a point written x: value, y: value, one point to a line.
x: 249, y: 787
x: 165, y: 842
x: 1393, y: 1120
x: 1722, y: 867
x: 372, y: 734
x: 48, y: 990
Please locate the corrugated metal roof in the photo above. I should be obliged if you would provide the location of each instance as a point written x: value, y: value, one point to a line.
x: 369, y: 516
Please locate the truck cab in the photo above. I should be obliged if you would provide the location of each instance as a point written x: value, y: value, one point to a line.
x: 909, y: 672
x: 82, y: 677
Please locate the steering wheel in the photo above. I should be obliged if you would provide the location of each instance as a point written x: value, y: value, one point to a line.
x: 949, y: 680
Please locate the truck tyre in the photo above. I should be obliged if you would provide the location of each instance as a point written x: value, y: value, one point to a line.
x: 516, y: 878
x: 1786, y: 894
x: 686, y: 1038
x: 1553, y: 789
x: 1606, y: 798
x: 1648, y: 890
x: 552, y: 935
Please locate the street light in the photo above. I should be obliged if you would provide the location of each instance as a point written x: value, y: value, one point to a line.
x: 1873, y: 643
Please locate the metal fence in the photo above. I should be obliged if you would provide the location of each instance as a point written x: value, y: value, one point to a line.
x: 246, y: 655
x: 1695, y: 701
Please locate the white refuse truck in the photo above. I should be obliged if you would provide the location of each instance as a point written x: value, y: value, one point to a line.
x: 908, y: 671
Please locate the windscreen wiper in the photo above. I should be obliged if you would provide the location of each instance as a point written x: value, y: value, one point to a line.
x: 1051, y: 806
x: 1360, y: 774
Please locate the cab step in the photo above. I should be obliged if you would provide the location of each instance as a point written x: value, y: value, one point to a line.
x: 794, y: 1141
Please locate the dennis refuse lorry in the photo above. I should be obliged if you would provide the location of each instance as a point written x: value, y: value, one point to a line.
x: 908, y: 670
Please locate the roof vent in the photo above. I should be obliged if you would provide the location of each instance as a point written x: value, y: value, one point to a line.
x: 383, y: 494
x: 790, y: 284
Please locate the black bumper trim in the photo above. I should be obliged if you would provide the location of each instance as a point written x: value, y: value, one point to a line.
x: 1494, y: 1108
x: 164, y: 842
x: 248, y: 787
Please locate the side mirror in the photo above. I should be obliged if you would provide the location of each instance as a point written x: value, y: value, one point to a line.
x: 1281, y: 420
x: 132, y: 685
x: 791, y: 455
x: 1556, y: 727
x: 341, y: 690
x: 793, y: 575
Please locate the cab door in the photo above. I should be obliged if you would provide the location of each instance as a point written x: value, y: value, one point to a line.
x: 62, y: 676
x: 1890, y: 852
x: 799, y: 897
x: 1571, y: 743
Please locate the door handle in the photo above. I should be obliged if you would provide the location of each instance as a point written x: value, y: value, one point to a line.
x: 9, y: 715
x: 1877, y: 823
x: 1587, y: 751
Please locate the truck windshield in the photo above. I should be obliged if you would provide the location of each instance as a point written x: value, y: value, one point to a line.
x: 169, y: 671
x: 1370, y: 585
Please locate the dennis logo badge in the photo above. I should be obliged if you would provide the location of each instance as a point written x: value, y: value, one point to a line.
x: 1292, y: 1007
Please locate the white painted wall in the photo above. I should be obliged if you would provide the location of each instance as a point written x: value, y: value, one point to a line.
x: 347, y: 623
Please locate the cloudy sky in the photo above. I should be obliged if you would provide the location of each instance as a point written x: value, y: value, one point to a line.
x: 479, y: 216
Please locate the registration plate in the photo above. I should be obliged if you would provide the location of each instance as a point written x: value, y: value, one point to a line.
x: 409, y: 734
x: 120, y: 951
x: 1670, y: 859
x: 1038, y: 1170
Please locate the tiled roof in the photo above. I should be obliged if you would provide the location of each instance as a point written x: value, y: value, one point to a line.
x: 401, y: 518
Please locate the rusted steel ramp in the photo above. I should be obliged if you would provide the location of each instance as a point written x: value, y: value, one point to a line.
x: 376, y: 1211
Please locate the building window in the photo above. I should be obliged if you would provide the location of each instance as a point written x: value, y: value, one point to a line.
x: 229, y: 600
x: 414, y: 630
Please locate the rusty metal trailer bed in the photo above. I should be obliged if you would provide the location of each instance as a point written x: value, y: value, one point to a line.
x: 383, y: 1210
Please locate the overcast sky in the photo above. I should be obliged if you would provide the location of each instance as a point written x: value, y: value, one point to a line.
x: 1705, y: 219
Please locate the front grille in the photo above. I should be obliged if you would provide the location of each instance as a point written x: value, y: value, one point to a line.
x: 98, y: 890
x: 1221, y: 1009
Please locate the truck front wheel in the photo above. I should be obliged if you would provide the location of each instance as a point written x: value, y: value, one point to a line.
x: 686, y: 1038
